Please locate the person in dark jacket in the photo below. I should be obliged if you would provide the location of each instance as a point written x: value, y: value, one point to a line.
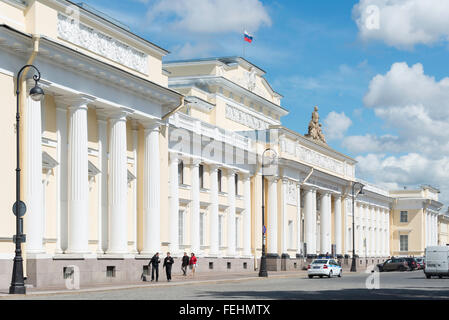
x: 155, y: 266
x: 185, y: 263
x: 168, y: 263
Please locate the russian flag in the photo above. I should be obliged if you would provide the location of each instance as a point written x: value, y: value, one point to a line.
x: 248, y: 37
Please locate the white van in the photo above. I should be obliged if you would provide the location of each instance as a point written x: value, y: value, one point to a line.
x: 437, y: 261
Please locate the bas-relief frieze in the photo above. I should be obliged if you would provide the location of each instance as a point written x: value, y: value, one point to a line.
x: 315, y: 158
x: 101, y: 44
x: 244, y: 118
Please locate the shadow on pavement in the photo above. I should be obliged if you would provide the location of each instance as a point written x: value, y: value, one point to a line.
x: 342, y: 294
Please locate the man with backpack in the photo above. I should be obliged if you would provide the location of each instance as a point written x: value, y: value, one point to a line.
x: 154, y: 262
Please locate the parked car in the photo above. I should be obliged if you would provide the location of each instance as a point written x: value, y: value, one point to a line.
x: 324, y: 267
x: 411, y: 263
x: 437, y: 261
x: 395, y: 264
x: 420, y: 261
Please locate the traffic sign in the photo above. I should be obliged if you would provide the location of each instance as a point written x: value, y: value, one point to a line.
x: 264, y: 229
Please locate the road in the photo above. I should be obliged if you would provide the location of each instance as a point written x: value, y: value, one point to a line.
x: 392, y: 285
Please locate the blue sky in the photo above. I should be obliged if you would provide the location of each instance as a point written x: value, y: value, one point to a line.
x: 322, y: 53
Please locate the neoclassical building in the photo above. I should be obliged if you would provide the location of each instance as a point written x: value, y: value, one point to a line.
x: 127, y: 156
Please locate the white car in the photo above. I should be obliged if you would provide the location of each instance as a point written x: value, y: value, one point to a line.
x: 324, y: 267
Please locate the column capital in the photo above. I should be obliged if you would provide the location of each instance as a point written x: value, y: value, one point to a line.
x: 324, y: 192
x: 118, y: 115
x: 151, y: 124
x: 284, y: 180
x: 78, y: 101
x: 213, y: 167
x: 174, y: 156
x: 102, y: 118
x: 272, y: 178
x: 231, y: 171
x: 246, y: 176
x: 193, y: 162
x: 309, y: 187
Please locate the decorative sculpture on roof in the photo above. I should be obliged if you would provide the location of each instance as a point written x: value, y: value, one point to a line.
x: 251, y: 79
x: 315, y: 132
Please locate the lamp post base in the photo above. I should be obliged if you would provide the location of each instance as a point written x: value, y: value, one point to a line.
x: 263, y: 267
x: 17, y: 283
x: 353, y: 265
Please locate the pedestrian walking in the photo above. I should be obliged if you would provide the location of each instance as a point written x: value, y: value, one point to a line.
x: 185, y: 263
x: 155, y: 266
x: 192, y: 263
x: 168, y: 263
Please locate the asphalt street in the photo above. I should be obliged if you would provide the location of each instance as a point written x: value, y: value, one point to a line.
x: 390, y: 285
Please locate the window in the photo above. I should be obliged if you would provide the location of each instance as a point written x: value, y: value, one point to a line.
x: 181, y: 172
x: 220, y: 231
x: 219, y: 180
x: 403, y: 242
x: 404, y: 216
x: 202, y: 229
x: 236, y: 180
x: 201, y: 171
x: 110, y: 271
x: 181, y: 227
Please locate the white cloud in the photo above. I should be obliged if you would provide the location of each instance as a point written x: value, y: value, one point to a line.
x: 403, y: 23
x: 209, y: 16
x: 416, y: 107
x: 336, y: 125
x: 412, y: 170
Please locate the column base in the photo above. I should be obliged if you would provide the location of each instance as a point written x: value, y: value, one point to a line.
x: 273, y: 262
x: 284, y: 260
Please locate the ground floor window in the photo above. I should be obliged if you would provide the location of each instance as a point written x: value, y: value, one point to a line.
x: 403, y: 242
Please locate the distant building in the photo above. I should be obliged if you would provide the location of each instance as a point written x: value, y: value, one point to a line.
x: 414, y: 220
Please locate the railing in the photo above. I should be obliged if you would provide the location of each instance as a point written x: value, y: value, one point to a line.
x: 199, y: 127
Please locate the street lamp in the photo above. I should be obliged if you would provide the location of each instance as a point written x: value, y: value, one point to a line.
x: 263, y: 260
x: 19, y: 208
x: 354, y: 264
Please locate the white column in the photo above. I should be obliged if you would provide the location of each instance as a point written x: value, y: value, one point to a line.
x: 378, y: 234
x: 102, y: 185
x: 61, y: 182
x: 325, y: 225
x: 34, y: 189
x: 247, y: 216
x: 231, y: 214
x: 337, y: 225
x: 118, y: 186
x: 434, y: 233
x: 388, y: 231
x: 310, y: 221
x: 78, y: 179
x: 214, y: 249
x: 272, y: 216
x: 135, y: 134
x: 373, y: 233
x: 361, y: 214
x: 348, y: 224
x: 385, y: 235
x: 174, y: 204
x: 151, y: 191
x: 195, y: 207
x: 298, y: 219
x: 284, y: 222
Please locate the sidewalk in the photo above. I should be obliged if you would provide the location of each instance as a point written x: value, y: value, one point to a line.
x: 177, y: 280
